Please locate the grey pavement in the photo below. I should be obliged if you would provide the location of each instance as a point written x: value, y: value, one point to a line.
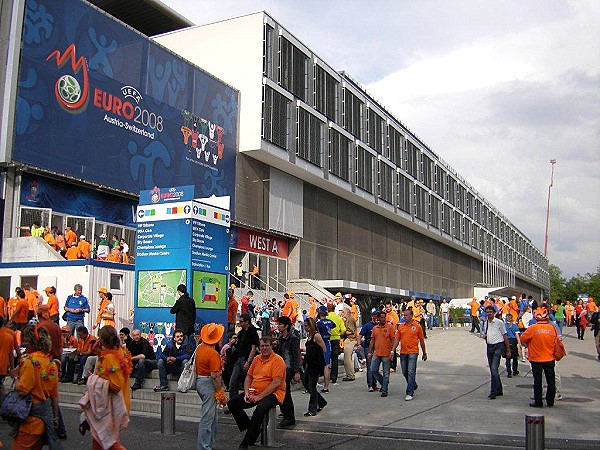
x: 450, y: 409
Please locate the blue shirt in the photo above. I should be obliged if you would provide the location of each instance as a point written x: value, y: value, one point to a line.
x: 366, y: 331
x: 511, y: 330
x: 325, y: 326
x: 73, y: 302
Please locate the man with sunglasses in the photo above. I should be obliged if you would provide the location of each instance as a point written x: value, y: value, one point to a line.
x: 247, y: 347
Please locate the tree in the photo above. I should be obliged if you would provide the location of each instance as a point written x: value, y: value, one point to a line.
x: 557, y: 284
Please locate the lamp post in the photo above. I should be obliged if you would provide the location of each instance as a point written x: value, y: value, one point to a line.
x: 552, y: 162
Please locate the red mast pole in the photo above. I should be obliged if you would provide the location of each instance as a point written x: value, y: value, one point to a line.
x: 552, y: 162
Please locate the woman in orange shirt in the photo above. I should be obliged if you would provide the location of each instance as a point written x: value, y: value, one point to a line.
x: 114, y: 365
x: 38, y: 376
x: 209, y: 385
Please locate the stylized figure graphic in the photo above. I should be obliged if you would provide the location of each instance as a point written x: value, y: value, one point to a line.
x: 37, y: 20
x: 100, y: 59
x: 154, y: 152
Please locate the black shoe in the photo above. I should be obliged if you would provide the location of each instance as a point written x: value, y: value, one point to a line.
x: 550, y: 405
x: 348, y: 379
x: 516, y: 372
x: 287, y: 423
x: 384, y: 394
x: 509, y: 375
x: 136, y: 386
x: 309, y: 414
x: 243, y: 445
x: 492, y: 397
x: 499, y: 395
x: 320, y: 408
x: 536, y: 405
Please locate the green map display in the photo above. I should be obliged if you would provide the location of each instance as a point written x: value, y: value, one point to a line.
x: 209, y: 290
x: 158, y: 288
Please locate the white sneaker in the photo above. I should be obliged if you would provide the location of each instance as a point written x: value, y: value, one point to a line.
x: 408, y: 398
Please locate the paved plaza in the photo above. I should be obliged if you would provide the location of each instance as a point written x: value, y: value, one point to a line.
x: 450, y: 409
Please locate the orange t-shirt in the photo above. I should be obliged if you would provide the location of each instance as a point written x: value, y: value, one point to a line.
x: 72, y: 253
x: 31, y: 381
x: 50, y: 240
x: 84, y: 248
x: 70, y: 238
x: 21, y: 311
x: 312, y: 312
x: 8, y: 342
x: 354, y: 312
x: 207, y: 360
x: 290, y: 309
x: 383, y: 339
x: 85, y: 345
x: 52, y: 305
x: 591, y: 306
x: 32, y: 301
x: 232, y: 310
x: 3, y: 307
x: 409, y: 337
x: 264, y: 371
x: 418, y: 312
x: 12, y: 304
x: 392, y: 318
x: 474, y: 307
x: 539, y: 338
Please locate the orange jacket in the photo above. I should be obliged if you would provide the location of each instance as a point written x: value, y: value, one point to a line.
x: 539, y: 339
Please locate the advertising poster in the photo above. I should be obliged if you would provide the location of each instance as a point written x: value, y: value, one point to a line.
x: 210, y: 290
x: 100, y: 102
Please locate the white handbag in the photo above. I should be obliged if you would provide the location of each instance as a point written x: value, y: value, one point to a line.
x: 187, y: 379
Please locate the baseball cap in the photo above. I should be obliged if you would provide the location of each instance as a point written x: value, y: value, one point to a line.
x: 82, y: 237
x: 322, y: 309
x: 374, y: 311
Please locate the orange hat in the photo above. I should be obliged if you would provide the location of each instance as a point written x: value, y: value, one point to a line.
x: 211, y: 333
x: 65, y: 329
x: 541, y: 314
x: 290, y: 294
x: 102, y: 290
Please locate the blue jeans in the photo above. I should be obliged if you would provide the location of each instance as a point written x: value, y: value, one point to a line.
x: 74, y: 324
x: 430, y: 321
x: 144, y: 366
x: 165, y: 368
x: 408, y: 362
x: 384, y: 379
x: 238, y: 374
x: 559, y: 324
x: 370, y: 380
x: 207, y: 427
x: 494, y: 353
x: 445, y: 320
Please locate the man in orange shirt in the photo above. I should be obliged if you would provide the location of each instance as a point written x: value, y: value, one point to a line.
x: 380, y: 349
x: 474, y: 316
x: 70, y: 237
x: 312, y: 311
x: 264, y: 387
x: 86, y: 346
x: 52, y: 303
x: 290, y: 308
x: 84, y: 247
x: 19, y: 315
x: 72, y: 252
x: 34, y: 299
x: 3, y: 308
x: 539, y: 339
x: 232, y: 309
x: 410, y: 335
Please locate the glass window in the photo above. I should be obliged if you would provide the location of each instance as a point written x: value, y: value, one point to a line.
x: 404, y: 193
x: 364, y: 169
x: 434, y: 211
x: 116, y: 281
x: 339, y: 154
x: 375, y: 130
x: 385, y: 177
x: 310, y: 137
x: 326, y: 93
x: 268, y: 51
x: 293, y: 63
x: 276, y: 109
x: 396, y: 146
x: 353, y: 109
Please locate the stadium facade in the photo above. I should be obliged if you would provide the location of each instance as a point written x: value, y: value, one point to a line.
x: 330, y: 191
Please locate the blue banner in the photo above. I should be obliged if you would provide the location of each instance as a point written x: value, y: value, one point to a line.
x: 42, y: 192
x: 100, y: 102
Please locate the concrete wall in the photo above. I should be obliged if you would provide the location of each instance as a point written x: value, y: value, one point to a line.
x: 27, y: 249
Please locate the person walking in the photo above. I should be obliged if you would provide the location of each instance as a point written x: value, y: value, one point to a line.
x: 111, y: 375
x: 380, y: 349
x: 514, y: 341
x: 314, y: 360
x: 431, y: 312
x: 409, y: 335
x: 474, y: 316
x: 185, y: 312
x: 496, y: 339
x: 37, y: 375
x: 540, y: 338
x: 445, y: 310
x: 365, y: 339
x: 334, y: 340
x: 349, y: 343
x: 288, y: 347
x: 325, y: 325
x: 209, y: 385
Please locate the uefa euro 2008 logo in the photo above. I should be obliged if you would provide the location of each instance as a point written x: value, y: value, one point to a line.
x: 69, y: 93
x: 68, y: 88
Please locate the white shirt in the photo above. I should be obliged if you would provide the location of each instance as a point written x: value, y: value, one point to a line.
x: 445, y: 307
x: 495, y: 331
x: 525, y: 318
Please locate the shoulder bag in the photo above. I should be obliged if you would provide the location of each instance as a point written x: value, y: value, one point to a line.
x: 15, y: 407
x: 559, y: 349
x: 187, y: 379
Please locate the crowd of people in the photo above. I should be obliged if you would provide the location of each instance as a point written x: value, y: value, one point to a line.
x: 254, y: 361
x: 70, y: 246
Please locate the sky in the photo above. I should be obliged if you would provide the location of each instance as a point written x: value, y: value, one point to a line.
x: 496, y: 89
